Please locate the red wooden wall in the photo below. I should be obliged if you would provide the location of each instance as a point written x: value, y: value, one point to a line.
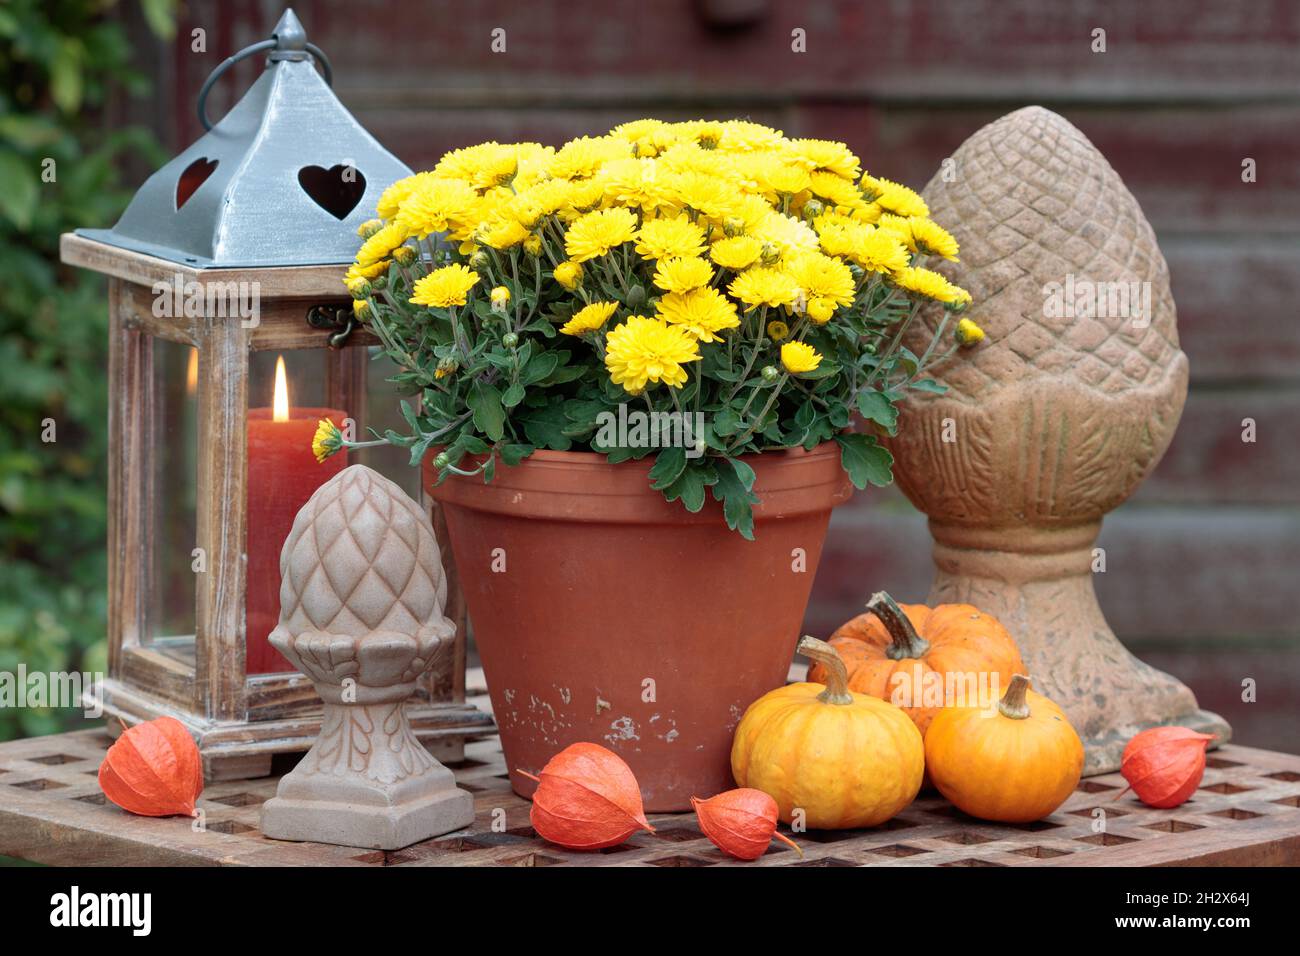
x: 1204, y: 562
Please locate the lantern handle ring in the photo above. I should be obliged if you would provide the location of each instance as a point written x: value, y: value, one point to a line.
x: 271, y: 44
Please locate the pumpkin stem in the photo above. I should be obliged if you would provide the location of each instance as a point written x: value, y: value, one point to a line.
x: 1014, y: 704
x: 837, y: 677
x: 777, y: 834
x: 905, y: 642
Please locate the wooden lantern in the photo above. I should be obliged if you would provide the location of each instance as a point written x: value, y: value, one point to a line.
x: 265, y: 205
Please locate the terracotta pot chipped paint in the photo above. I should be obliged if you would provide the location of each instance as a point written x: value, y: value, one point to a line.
x: 616, y: 617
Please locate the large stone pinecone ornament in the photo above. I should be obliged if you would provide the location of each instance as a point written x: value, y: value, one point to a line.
x: 1055, y: 419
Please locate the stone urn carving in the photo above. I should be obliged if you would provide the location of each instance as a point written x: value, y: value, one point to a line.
x: 1054, y: 419
x: 361, y: 614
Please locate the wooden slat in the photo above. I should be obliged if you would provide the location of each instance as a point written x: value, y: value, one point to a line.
x: 1246, y: 813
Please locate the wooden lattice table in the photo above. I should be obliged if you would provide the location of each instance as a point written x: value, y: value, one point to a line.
x: 1247, y: 812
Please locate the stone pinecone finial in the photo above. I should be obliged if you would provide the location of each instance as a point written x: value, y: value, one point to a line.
x: 362, y: 585
x: 1059, y: 417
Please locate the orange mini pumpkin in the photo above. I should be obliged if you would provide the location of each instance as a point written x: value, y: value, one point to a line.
x: 903, y: 654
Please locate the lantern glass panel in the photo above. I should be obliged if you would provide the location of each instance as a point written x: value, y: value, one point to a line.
x: 172, y: 496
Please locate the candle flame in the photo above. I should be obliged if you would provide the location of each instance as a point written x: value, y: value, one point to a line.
x: 280, y: 405
x: 192, y: 372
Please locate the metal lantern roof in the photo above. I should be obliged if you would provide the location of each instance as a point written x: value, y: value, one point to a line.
x: 284, y: 178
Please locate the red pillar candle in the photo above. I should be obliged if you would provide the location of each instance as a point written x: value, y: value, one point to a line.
x: 282, y: 474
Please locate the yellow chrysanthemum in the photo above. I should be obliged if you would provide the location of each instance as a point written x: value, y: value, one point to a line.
x: 835, y: 190
x: 930, y: 285
x: 702, y: 312
x: 930, y: 238
x: 644, y: 350
x: 760, y: 286
x: 500, y: 298
x: 894, y: 197
x: 711, y: 196
x: 799, y: 357
x: 589, y: 318
x: 581, y: 158
x: 786, y: 233
x: 327, y: 440
x: 682, y: 274
x: 380, y: 245
x: 880, y: 251
x: 444, y: 287
x: 390, y: 200
x: 778, y: 331
x: 569, y: 274
x: 675, y: 237
x: 595, y: 233
x: 826, y: 283
x: 968, y: 333
x: 434, y: 205
x: 633, y: 182
x: 736, y: 253
x: 823, y: 154
x: 500, y: 233
x: 369, y: 228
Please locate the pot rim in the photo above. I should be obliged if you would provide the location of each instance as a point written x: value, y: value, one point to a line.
x: 583, y: 486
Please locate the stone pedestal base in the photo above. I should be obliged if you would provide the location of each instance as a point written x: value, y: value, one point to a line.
x: 367, y: 782
x: 1038, y: 583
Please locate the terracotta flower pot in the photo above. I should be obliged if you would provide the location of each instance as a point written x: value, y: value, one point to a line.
x: 604, y: 613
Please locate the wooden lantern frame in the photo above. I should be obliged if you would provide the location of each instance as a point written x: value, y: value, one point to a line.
x: 239, y: 720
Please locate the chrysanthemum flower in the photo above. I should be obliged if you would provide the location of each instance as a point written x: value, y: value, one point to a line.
x: 501, y: 233
x: 968, y: 333
x: 327, y: 440
x: 759, y: 286
x: 580, y: 158
x: 444, y: 287
x: 788, y: 234
x: 595, y: 233
x: 589, y: 318
x: 676, y: 237
x: 799, y: 357
x: 778, y: 331
x: 643, y: 350
x: 894, y: 197
x: 380, y: 245
x: 931, y: 285
x: 826, y: 283
x: 702, y: 312
x: 681, y: 274
x: 736, y: 253
x: 880, y: 251
x: 569, y: 274
x: 825, y: 154
x: 434, y: 205
x: 500, y: 298
x: 930, y: 238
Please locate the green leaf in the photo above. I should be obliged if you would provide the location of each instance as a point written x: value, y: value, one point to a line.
x: 875, y: 407
x: 928, y: 385
x: 513, y: 395
x: 735, y: 479
x: 689, y: 488
x: 514, y: 454
x: 489, y: 416
x: 725, y: 423
x: 866, y: 460
x: 545, y: 427
x: 824, y: 370
x: 668, y: 467
x: 539, y: 368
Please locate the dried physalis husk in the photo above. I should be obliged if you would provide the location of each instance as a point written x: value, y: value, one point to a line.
x: 153, y: 769
x: 587, y: 799
x: 1163, y: 765
x: 740, y: 822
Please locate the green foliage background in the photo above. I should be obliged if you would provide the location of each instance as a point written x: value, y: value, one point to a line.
x: 59, y: 61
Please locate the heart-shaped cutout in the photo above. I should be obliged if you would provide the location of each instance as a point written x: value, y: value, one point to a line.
x: 337, y: 190
x: 195, y: 175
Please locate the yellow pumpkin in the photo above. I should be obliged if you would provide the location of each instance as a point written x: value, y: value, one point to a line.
x: 1015, y: 765
x: 845, y: 760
